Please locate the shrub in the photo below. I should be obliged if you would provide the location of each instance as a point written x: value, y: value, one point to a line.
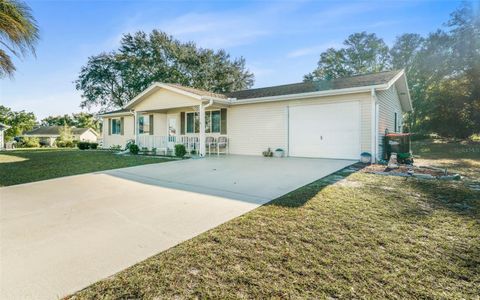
x: 65, y: 144
x: 180, y: 150
x: 133, y: 149
x: 82, y: 145
x: 127, y: 145
x: 29, y: 142
x: 65, y: 140
x: 93, y: 146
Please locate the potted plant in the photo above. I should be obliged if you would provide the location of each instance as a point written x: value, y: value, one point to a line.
x: 278, y: 152
x: 366, y: 158
x: 267, y: 153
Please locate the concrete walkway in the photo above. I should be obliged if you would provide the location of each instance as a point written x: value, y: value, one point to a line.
x: 58, y: 236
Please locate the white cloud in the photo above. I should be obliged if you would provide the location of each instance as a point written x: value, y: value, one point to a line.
x: 223, y: 30
x: 211, y: 30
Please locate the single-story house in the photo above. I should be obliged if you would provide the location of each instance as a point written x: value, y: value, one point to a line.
x: 48, y: 134
x: 339, y: 118
x: 3, y: 128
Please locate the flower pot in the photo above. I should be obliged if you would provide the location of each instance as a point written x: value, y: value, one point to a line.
x: 278, y: 153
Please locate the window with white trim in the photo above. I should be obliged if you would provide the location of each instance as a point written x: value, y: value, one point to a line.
x: 212, y: 122
x: 116, y: 126
x: 143, y: 124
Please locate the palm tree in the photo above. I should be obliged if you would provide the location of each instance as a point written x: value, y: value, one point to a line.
x: 18, y: 34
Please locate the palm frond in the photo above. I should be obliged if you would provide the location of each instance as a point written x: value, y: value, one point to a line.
x: 6, y: 65
x: 18, y: 33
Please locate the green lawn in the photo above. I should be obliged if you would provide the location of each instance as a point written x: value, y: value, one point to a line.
x: 23, y: 166
x: 350, y: 235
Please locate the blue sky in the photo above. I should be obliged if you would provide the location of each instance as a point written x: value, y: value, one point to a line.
x: 280, y: 40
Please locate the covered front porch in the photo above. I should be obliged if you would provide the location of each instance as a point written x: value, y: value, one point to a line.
x: 166, y: 115
x: 202, y: 129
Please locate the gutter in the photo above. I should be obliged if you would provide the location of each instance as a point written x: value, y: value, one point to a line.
x: 210, y: 101
x: 126, y: 113
x: 363, y: 89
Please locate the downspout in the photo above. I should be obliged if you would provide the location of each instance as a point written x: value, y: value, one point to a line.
x: 202, y: 126
x: 374, y: 136
x: 135, y: 125
x: 210, y: 102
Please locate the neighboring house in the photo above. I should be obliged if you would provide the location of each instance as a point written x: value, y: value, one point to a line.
x: 3, y: 128
x: 338, y: 118
x: 48, y: 134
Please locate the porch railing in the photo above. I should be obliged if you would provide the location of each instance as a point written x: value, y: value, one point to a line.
x: 167, y: 144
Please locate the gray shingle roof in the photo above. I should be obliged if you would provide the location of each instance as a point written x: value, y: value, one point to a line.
x: 196, y: 91
x: 316, y: 86
x: 294, y: 88
x: 118, y: 111
x: 53, y: 130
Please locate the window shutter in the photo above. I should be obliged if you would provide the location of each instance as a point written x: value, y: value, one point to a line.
x: 223, y: 121
x: 122, y: 121
x: 151, y: 124
x: 109, y: 126
x: 182, y: 123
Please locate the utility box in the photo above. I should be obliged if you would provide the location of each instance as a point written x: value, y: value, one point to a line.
x: 397, y: 143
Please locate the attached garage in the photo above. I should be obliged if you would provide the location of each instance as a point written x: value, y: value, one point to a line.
x: 325, y: 130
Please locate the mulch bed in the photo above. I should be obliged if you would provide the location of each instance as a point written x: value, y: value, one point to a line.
x: 403, y: 169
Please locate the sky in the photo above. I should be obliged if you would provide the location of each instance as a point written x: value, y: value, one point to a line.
x: 280, y: 40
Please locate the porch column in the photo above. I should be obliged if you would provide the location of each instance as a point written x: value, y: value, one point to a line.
x: 135, y: 124
x: 202, y: 130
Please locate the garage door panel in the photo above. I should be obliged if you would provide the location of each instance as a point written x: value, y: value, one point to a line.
x: 326, y: 130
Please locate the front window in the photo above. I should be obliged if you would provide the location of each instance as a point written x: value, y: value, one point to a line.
x: 143, y: 124
x: 212, y: 122
x: 208, y: 121
x: 116, y: 126
x: 216, y: 121
x: 191, y: 117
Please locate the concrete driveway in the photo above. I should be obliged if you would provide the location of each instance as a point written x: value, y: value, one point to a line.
x: 58, y: 236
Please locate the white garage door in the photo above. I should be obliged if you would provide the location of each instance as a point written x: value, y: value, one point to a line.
x: 326, y: 130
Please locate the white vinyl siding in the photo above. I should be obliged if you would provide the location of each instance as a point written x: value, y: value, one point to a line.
x: 164, y: 99
x: 118, y: 139
x: 389, y: 104
x: 252, y: 128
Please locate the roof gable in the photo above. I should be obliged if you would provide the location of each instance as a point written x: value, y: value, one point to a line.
x: 192, y: 93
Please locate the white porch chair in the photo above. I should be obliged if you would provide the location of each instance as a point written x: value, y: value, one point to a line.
x: 209, y: 144
x: 222, y: 143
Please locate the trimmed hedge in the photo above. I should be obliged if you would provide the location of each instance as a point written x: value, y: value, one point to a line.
x: 87, y: 145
